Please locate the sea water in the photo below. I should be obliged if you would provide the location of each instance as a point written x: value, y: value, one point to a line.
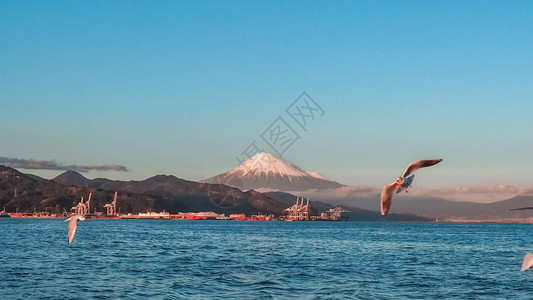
x: 175, y: 259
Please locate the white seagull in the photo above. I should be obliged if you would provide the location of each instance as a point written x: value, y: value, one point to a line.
x: 403, y: 182
x: 528, y: 261
x: 72, y: 225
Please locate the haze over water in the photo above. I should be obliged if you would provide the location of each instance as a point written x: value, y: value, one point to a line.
x: 169, y: 259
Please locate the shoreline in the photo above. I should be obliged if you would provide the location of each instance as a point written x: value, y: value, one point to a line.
x: 254, y: 219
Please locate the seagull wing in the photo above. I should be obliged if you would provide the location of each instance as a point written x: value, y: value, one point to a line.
x: 72, y: 228
x: 386, y: 197
x: 420, y: 164
x: 528, y: 261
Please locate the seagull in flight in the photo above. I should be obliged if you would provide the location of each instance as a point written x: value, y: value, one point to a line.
x: 528, y: 261
x: 403, y: 182
x: 72, y: 225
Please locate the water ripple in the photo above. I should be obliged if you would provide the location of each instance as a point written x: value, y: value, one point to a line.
x: 158, y: 259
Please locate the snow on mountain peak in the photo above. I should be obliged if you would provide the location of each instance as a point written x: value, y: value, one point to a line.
x: 267, y: 163
x: 265, y: 172
x: 315, y: 174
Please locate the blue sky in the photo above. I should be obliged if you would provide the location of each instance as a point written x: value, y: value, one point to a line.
x: 183, y: 87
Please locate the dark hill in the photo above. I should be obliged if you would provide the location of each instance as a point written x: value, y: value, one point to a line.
x: 35, y: 177
x: 437, y: 208
x: 25, y: 194
x: 72, y: 178
x: 176, y: 194
x: 161, y: 192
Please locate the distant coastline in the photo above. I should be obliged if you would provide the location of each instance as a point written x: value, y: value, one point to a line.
x: 183, y: 216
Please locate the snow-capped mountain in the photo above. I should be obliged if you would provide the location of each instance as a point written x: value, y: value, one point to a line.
x: 265, y: 172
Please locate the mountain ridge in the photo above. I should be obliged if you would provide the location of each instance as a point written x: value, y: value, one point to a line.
x: 168, y: 186
x: 438, y: 208
x: 168, y: 192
